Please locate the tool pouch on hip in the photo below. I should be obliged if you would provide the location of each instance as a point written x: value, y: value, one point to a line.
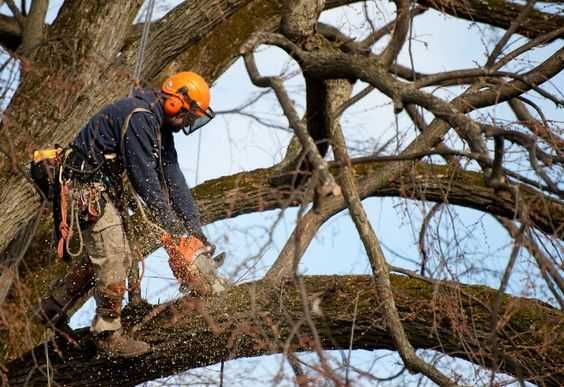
x: 44, y: 170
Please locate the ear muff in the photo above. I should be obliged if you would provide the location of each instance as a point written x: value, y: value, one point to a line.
x: 172, y: 105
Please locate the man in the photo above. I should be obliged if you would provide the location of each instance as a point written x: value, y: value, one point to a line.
x: 133, y: 136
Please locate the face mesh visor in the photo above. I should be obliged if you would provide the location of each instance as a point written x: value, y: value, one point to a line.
x: 198, y: 118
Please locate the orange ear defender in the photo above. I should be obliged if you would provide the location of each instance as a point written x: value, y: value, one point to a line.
x: 172, y: 105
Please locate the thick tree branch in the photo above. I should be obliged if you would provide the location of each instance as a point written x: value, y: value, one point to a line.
x: 499, y: 14
x: 10, y: 33
x: 33, y: 26
x: 253, y: 191
x: 256, y: 319
x: 401, y: 28
x: 16, y: 12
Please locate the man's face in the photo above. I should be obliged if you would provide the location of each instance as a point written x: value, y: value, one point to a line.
x: 181, y: 120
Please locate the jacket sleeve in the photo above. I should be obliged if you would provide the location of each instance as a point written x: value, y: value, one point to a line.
x: 180, y: 194
x: 142, y: 165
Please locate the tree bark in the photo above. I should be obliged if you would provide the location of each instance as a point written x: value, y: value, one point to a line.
x: 258, y: 190
x: 257, y: 319
x: 498, y: 13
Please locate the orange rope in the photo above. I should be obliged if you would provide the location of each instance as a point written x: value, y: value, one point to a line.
x: 64, y: 229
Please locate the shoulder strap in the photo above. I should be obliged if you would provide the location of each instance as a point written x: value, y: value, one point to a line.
x: 126, y: 125
x: 124, y: 128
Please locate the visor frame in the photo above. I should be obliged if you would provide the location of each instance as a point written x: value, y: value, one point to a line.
x: 198, y: 121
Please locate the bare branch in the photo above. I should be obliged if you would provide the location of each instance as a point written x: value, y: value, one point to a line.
x: 510, y: 31
x: 548, y: 270
x: 445, y: 78
x: 499, y: 14
x: 527, y: 46
x: 16, y: 12
x: 379, y: 265
x: 328, y: 185
x: 420, y: 123
x: 540, y: 129
x: 401, y: 28
x: 376, y: 35
x: 496, y: 304
x: 354, y: 99
x: 422, y: 233
x: 33, y: 29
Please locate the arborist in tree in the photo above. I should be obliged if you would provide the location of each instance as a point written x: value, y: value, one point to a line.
x: 131, y: 141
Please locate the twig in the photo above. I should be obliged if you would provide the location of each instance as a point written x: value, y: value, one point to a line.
x: 509, y: 32
x: 423, y: 232
x: 348, y: 365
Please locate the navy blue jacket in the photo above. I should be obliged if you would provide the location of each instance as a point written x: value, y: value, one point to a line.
x: 175, y: 210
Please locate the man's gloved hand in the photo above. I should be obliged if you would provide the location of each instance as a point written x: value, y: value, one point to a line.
x: 186, y: 257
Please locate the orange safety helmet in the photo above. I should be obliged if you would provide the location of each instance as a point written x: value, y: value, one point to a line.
x: 189, y: 91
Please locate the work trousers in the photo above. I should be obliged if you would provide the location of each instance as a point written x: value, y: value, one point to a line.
x: 108, y: 249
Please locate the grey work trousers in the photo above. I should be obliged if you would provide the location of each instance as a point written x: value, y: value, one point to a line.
x: 108, y: 249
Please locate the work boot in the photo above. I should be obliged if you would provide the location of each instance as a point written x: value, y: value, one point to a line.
x: 107, y: 323
x: 64, y: 293
x: 114, y: 344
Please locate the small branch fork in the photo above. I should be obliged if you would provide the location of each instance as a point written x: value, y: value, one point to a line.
x: 327, y: 184
x: 550, y: 273
x: 32, y: 24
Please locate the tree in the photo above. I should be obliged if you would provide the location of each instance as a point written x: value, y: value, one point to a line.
x: 508, y: 170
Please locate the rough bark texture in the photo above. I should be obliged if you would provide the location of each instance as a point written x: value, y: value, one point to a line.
x: 498, y: 13
x: 257, y: 319
x: 249, y: 192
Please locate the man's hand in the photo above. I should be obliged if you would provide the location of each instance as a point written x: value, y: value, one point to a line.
x: 182, y: 252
